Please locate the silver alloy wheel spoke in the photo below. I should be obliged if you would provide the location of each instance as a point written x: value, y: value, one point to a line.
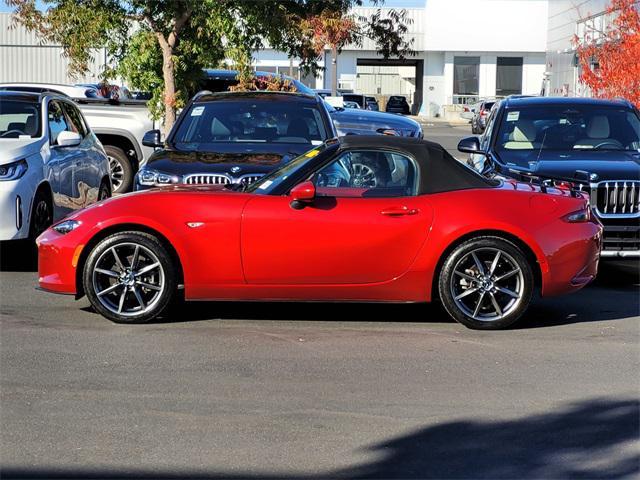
x: 478, y: 263
x: 507, y: 275
x: 108, y: 273
x: 148, y: 285
x: 478, y: 305
x: 139, y: 298
x: 494, y: 264
x: 467, y: 292
x: 465, y: 276
x: 508, y: 292
x: 147, y: 269
x: 121, y: 302
x: 495, y: 304
x: 109, y: 289
x: 135, y: 258
x: 118, y: 261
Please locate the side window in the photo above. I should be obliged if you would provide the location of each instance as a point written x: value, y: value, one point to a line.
x: 75, y: 120
x: 57, y: 121
x: 486, y: 136
x: 362, y: 173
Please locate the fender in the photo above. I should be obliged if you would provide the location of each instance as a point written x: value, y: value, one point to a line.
x: 122, y: 133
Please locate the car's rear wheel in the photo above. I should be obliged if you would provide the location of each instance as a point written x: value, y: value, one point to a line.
x: 129, y: 277
x: 120, y: 169
x: 486, y: 283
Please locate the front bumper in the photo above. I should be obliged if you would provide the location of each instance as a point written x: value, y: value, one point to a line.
x: 58, y: 257
x: 15, y: 205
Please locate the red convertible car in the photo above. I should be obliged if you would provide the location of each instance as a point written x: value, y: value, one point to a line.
x: 366, y: 219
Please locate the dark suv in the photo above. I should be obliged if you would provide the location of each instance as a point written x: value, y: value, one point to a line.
x: 235, y: 138
x: 595, y: 142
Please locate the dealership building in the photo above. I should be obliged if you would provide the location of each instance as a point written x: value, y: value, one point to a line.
x: 464, y: 50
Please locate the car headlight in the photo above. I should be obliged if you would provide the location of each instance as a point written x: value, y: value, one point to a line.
x: 66, y: 226
x: 13, y: 171
x: 148, y: 176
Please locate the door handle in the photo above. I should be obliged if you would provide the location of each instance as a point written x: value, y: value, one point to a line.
x: 399, y: 211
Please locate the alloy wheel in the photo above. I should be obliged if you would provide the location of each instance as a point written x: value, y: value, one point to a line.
x: 363, y: 176
x: 116, y: 170
x: 128, y: 279
x: 487, y: 284
x: 42, y: 216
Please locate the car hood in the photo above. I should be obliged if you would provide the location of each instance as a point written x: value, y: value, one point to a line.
x: 606, y: 165
x: 369, y: 122
x: 244, y: 159
x: 12, y: 149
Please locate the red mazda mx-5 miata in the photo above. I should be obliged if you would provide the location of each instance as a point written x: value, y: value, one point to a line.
x: 367, y: 219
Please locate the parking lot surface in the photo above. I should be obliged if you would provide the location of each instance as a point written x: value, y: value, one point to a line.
x: 244, y: 390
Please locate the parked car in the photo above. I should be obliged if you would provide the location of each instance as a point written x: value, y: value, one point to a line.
x: 365, y: 102
x: 235, y: 138
x: 346, y: 121
x: 119, y: 125
x: 73, y: 91
x: 419, y: 225
x: 479, y: 119
x: 326, y: 92
x: 107, y: 90
x: 595, y: 142
x: 51, y: 163
x: 398, y: 104
x: 468, y: 111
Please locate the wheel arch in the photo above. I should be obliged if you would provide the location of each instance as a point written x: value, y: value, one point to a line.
x: 43, y: 186
x: 526, y: 248
x: 124, y: 141
x: 124, y: 227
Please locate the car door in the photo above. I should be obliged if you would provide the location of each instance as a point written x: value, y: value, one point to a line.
x: 366, y: 225
x: 87, y: 168
x: 64, y: 163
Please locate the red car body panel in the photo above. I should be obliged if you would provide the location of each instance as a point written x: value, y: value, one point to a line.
x: 240, y: 246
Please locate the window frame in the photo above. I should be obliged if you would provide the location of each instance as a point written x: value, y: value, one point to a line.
x: 59, y: 103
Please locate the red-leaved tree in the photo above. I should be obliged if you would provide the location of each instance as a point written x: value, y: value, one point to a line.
x: 610, y: 58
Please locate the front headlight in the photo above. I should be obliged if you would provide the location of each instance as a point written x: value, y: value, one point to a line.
x: 13, y: 171
x: 148, y: 176
x: 66, y: 226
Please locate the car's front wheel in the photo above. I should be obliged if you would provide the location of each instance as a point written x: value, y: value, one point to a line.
x: 129, y: 277
x: 486, y: 283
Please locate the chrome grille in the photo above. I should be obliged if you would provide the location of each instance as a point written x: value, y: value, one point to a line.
x: 617, y: 198
x: 249, y: 179
x: 207, y: 179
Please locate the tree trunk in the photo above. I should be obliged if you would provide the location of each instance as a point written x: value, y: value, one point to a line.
x: 334, y: 71
x: 169, y: 96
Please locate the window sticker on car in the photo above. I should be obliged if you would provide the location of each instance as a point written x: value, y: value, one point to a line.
x: 312, y: 153
x: 196, y: 112
x: 513, y: 116
x: 316, y: 142
x: 265, y: 185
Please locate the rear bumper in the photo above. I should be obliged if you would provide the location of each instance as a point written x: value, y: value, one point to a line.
x: 575, y: 254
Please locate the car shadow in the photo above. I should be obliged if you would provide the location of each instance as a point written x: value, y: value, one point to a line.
x: 18, y: 256
x: 595, y: 438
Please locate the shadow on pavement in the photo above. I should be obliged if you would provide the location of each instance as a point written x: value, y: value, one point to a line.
x: 18, y: 256
x: 590, y: 439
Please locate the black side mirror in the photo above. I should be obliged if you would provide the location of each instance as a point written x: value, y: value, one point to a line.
x: 469, y: 145
x: 152, y: 139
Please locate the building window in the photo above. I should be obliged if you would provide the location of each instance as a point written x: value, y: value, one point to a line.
x: 465, y: 75
x: 509, y: 76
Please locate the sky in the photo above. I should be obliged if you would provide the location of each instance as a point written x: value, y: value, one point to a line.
x: 389, y: 3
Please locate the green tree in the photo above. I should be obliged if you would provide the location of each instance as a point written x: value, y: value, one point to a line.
x: 163, y: 45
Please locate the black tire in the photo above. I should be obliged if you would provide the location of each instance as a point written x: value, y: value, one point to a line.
x: 474, y: 130
x: 104, y: 192
x: 120, y: 169
x: 488, y: 289
x: 41, y: 214
x: 126, y: 242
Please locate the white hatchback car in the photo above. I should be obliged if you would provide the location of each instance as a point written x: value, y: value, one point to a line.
x: 50, y: 163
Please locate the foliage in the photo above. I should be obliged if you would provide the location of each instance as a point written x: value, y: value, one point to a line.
x: 273, y: 83
x: 610, y: 59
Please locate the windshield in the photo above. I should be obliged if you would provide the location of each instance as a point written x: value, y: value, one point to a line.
x: 270, y: 182
x: 250, y: 121
x: 568, y: 128
x: 19, y: 119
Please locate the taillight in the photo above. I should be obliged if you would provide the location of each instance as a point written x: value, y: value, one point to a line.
x: 579, y: 216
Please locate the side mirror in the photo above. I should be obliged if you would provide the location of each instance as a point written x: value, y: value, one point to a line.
x: 302, y: 195
x: 469, y: 145
x: 152, y: 139
x: 68, y: 139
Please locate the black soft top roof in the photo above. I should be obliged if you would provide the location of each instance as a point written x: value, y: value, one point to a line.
x: 439, y: 171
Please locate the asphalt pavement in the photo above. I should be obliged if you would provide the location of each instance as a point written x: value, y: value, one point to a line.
x: 275, y: 390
